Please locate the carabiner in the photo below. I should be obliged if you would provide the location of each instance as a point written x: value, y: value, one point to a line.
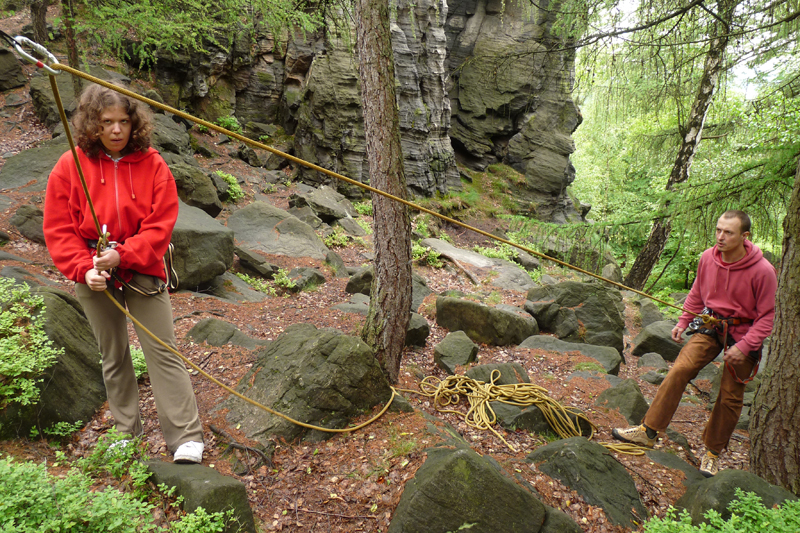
x: 19, y: 40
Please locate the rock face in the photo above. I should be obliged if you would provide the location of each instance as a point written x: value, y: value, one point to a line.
x: 203, y: 247
x: 317, y: 376
x: 308, y: 84
x: 482, y: 323
x: 11, y: 74
x: 513, y: 110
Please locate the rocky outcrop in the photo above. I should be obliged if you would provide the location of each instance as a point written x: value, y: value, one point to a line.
x: 203, y: 247
x: 509, y: 90
x: 482, y: 323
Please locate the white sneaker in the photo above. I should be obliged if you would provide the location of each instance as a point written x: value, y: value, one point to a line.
x: 189, y: 452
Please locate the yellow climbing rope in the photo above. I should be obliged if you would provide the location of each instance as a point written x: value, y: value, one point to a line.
x: 444, y: 392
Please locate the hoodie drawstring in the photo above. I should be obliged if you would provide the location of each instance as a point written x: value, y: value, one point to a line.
x: 130, y: 179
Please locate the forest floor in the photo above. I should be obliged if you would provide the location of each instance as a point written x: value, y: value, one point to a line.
x: 352, y: 482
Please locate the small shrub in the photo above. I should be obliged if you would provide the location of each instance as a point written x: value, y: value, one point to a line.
x: 586, y: 365
x: 25, y: 350
x: 364, y: 208
x: 235, y: 192
x: 230, y: 123
x: 62, y: 430
x: 337, y: 238
x: 366, y: 226
x: 503, y: 251
x: 421, y: 253
x: 282, y: 279
x: 421, y: 227
x: 258, y: 284
x: 139, y: 363
x: 202, y: 129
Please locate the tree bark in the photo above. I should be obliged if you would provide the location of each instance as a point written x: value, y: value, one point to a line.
x: 389, y: 310
x: 775, y: 414
x: 692, y: 134
x: 68, y: 14
x: 39, y: 20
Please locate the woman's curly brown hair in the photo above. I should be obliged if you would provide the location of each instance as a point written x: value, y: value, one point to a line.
x: 94, y: 100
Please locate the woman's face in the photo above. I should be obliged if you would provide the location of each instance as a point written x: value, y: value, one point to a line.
x: 116, y: 132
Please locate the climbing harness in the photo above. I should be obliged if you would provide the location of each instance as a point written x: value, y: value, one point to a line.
x: 445, y: 392
x: 719, y: 329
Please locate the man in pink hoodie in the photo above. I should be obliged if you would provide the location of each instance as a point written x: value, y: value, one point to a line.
x: 735, y: 282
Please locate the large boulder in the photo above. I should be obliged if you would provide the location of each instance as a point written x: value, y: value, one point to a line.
x: 11, y: 74
x: 482, y: 323
x: 361, y: 283
x: 627, y: 397
x: 72, y: 389
x: 29, y: 221
x: 657, y: 337
x: 589, y: 469
x: 579, y: 312
x: 31, y: 168
x: 317, y: 376
x: 262, y: 227
x: 325, y: 202
x: 217, y: 332
x: 459, y: 489
x: 456, y: 349
x: 203, y: 248
x: 605, y: 355
x: 718, y: 491
x: 195, y: 188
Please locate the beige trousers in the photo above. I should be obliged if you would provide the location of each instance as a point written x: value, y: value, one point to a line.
x: 172, y: 388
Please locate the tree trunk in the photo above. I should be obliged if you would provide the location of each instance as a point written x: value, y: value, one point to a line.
x: 387, y: 321
x: 68, y: 14
x: 39, y: 20
x: 692, y: 133
x: 775, y: 414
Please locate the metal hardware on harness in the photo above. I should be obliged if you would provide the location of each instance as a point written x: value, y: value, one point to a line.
x: 19, y: 40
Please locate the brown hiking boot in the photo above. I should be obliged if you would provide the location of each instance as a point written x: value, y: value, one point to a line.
x: 634, y: 435
x: 709, y: 466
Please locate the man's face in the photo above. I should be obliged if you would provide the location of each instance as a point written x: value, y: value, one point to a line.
x: 729, y: 234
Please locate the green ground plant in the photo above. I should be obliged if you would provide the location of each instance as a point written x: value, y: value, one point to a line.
x: 260, y: 285
x: 337, y: 238
x: 748, y: 515
x: 366, y: 226
x: 230, y: 123
x: 424, y: 254
x: 139, y: 363
x: 25, y: 350
x: 235, y: 192
x: 282, y: 279
x: 364, y: 208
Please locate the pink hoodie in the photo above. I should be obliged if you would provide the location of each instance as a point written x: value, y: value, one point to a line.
x: 744, y: 289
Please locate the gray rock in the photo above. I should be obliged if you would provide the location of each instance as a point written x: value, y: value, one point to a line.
x: 306, y: 278
x: 612, y: 271
x: 11, y: 74
x: 651, y: 359
x: 657, y: 337
x: 219, y: 333
x: 319, y: 376
x: 71, y: 390
x: 196, y: 189
x: 251, y: 261
x: 682, y: 441
x: 456, y: 349
x: 351, y: 227
x: 473, y: 493
x: 230, y: 288
x: 590, y: 374
x: 29, y: 220
x: 32, y: 165
x: 306, y: 214
x: 589, y: 469
x: 170, y: 136
x: 627, y: 398
x: 655, y: 377
x: 5, y: 256
x: 526, y: 260
x: 718, y: 491
x: 559, y: 522
x: 510, y: 373
x: 265, y: 228
x: 648, y: 312
x: 533, y: 419
x: 326, y: 203
x: 483, y: 323
x: 418, y: 330
x: 203, y: 247
x: 578, y: 312
x: 5, y: 202
x: 201, y: 486
x: 23, y: 276
x: 359, y: 303
x: 361, y: 283
x: 605, y: 355
x: 336, y: 263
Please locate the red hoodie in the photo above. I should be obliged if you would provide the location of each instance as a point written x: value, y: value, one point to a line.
x: 135, y: 198
x: 744, y: 289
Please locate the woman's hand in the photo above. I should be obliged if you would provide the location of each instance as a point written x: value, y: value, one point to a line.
x: 106, y: 259
x: 96, y: 279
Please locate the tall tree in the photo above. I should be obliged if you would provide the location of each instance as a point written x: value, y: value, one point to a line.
x: 775, y: 415
x: 389, y: 309
x: 691, y: 133
x: 39, y: 20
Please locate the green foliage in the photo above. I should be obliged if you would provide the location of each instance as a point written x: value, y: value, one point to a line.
x: 202, y: 128
x: 235, y: 192
x: 283, y: 280
x: 591, y: 367
x: 201, y: 521
x: 425, y: 254
x: 230, y: 123
x: 139, y: 363
x: 366, y: 226
x: 25, y: 350
x: 258, y: 284
x: 62, y: 430
x: 420, y: 225
x: 337, y: 238
x: 501, y: 251
x: 364, y: 208
x: 748, y: 515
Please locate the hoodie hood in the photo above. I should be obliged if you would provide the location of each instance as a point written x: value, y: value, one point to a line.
x: 752, y: 255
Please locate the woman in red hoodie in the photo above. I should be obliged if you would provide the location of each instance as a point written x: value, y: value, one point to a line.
x: 135, y: 198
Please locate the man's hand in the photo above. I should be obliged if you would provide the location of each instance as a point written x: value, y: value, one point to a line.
x: 677, y: 331
x: 734, y: 355
x: 96, y: 279
x: 106, y: 259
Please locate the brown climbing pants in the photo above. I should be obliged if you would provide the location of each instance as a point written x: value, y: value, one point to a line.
x: 698, y: 352
x: 172, y: 388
